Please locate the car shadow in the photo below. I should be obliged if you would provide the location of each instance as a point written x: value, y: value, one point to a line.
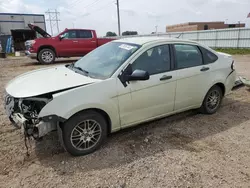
x: 179, y: 132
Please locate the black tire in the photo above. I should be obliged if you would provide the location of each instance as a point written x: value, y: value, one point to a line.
x: 206, y: 107
x: 69, y: 131
x: 51, y: 56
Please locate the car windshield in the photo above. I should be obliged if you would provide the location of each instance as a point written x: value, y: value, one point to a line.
x: 102, y: 62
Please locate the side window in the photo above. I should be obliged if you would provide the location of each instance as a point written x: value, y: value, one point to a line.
x: 155, y: 60
x: 209, y: 57
x: 187, y: 56
x: 70, y: 34
x: 85, y: 34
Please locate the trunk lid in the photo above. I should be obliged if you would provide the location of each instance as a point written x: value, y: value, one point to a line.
x: 39, y: 30
x: 224, y: 54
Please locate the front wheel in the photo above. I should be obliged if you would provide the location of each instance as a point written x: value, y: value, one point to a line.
x: 84, y: 133
x: 46, y: 56
x: 212, y: 100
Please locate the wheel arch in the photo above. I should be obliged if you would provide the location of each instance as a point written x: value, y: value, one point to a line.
x: 222, y: 86
x: 100, y: 111
x: 45, y: 47
x: 219, y: 84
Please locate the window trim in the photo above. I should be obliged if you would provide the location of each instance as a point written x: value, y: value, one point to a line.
x: 170, y: 55
x: 69, y: 38
x: 78, y: 35
x: 175, y: 59
x: 203, y: 55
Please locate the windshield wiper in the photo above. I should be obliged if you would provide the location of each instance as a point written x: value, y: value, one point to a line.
x: 82, y: 70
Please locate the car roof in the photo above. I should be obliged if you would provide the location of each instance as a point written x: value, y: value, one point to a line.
x: 149, y: 39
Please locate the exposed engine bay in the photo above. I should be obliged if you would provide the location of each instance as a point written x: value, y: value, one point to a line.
x: 23, y: 113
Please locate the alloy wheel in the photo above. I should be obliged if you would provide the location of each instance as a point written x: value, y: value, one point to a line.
x: 213, y: 100
x: 47, y: 56
x: 86, y: 135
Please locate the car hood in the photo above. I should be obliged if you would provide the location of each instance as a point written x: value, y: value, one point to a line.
x: 46, y: 80
x: 39, y: 30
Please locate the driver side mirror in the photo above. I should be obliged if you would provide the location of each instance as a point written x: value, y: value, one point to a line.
x: 61, y: 37
x: 138, y: 75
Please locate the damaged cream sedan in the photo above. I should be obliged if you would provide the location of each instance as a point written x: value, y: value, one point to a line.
x: 120, y: 84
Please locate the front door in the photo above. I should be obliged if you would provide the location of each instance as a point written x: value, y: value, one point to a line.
x: 69, y: 45
x: 144, y: 100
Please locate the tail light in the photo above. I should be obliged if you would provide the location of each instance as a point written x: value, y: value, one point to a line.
x: 233, y: 66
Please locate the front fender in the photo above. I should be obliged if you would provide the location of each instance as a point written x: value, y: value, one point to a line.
x: 101, y: 95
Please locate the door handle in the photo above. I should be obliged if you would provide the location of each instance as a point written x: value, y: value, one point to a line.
x: 165, y: 77
x: 75, y: 41
x: 204, y: 69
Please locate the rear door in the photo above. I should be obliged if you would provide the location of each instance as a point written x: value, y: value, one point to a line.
x: 69, y: 45
x: 193, y: 76
x: 86, y: 41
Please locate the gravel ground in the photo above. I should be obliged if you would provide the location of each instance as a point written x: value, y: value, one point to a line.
x: 184, y: 150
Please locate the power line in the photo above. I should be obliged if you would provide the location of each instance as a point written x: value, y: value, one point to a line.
x: 88, y: 5
x: 118, y: 13
x: 109, y: 3
x: 53, y: 19
x: 91, y: 4
x: 74, y: 3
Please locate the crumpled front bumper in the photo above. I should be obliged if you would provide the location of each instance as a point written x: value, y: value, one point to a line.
x: 37, y: 130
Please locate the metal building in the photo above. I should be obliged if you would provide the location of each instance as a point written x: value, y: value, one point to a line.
x: 12, y: 21
x: 14, y: 30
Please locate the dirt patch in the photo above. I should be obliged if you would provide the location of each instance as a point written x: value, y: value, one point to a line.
x: 184, y: 150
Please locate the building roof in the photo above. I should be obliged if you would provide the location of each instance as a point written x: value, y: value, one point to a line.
x: 194, y: 23
x: 21, y: 14
x: 150, y: 39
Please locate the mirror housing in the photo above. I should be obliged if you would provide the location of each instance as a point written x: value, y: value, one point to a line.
x: 138, y: 75
x: 61, y: 37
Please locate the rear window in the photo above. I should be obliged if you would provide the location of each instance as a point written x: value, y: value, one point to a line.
x: 187, y: 56
x: 85, y: 34
x: 209, y: 57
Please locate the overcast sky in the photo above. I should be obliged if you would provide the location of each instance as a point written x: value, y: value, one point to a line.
x: 139, y: 15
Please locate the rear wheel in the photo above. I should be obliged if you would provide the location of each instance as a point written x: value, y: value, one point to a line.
x: 84, y: 133
x: 212, y: 100
x: 46, y: 56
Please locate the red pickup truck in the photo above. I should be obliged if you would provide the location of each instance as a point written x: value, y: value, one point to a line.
x: 69, y: 43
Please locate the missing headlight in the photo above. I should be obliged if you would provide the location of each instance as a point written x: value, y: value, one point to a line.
x: 31, y: 107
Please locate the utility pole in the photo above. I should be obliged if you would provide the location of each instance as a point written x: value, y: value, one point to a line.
x: 53, y: 20
x: 50, y: 24
x: 56, y: 13
x: 118, y: 15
